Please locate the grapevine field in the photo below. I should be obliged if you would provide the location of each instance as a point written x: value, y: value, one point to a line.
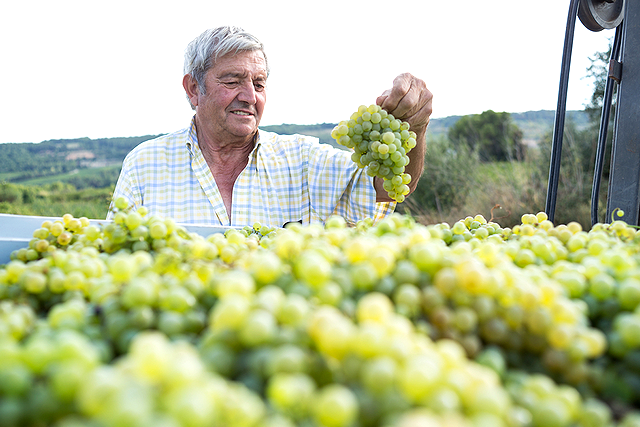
x: 394, y: 324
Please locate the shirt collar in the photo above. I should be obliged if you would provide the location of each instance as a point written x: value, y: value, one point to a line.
x: 192, y: 138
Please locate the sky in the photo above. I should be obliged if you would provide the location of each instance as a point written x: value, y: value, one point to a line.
x: 99, y: 69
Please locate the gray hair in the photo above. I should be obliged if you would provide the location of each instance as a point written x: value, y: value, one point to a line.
x: 203, y: 52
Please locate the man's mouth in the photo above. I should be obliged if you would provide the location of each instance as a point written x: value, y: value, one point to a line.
x: 241, y: 113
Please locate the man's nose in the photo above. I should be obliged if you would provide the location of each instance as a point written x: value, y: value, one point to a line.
x: 247, y: 93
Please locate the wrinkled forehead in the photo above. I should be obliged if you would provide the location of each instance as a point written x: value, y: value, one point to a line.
x: 242, y: 64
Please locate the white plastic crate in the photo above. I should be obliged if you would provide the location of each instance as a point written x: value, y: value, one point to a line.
x: 17, y: 230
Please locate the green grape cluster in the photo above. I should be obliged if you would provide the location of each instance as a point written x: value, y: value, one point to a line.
x: 588, y: 277
x: 380, y: 142
x: 390, y: 324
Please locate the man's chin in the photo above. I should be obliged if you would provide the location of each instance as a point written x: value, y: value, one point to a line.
x: 244, y: 131
x: 241, y: 125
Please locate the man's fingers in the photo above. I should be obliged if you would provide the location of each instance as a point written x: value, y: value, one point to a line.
x: 419, y: 115
x: 408, y: 99
x: 395, y: 95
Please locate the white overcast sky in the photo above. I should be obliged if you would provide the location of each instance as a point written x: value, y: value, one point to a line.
x: 89, y: 68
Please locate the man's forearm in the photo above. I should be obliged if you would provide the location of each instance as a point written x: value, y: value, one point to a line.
x: 416, y: 158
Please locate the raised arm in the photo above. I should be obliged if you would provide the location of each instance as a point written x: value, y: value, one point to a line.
x: 411, y: 101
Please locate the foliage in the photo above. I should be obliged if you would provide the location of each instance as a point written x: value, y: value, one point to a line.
x: 492, y: 135
x: 448, y: 177
x: 9, y: 193
x: 80, y: 179
x: 519, y: 187
x: 598, y: 71
x: 54, y: 199
x: 506, y: 190
x: 576, y: 173
x: 579, y: 150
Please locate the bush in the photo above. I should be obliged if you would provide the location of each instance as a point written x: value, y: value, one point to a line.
x: 448, y: 176
x: 10, y: 193
x: 575, y: 181
x: 54, y: 199
x: 29, y: 194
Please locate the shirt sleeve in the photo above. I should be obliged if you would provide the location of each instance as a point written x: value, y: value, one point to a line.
x: 338, y: 186
x: 126, y: 186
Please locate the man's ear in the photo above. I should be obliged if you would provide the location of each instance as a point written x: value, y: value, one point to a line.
x: 191, y: 88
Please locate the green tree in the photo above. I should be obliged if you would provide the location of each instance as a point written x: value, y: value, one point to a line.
x: 493, y: 136
x: 9, y: 193
x: 598, y: 70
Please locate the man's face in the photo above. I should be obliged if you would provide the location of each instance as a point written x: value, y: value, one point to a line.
x: 235, y: 97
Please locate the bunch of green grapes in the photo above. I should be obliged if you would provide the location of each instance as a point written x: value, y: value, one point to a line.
x: 160, y: 382
x: 40, y: 375
x: 380, y: 142
x: 595, y: 276
x: 257, y: 229
x: 388, y: 324
x: 16, y: 320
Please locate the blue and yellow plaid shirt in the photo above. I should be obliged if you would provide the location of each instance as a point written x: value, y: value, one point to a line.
x: 288, y: 178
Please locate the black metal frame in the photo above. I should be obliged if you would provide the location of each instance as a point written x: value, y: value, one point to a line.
x: 561, y: 110
x: 615, y: 74
x: 624, y: 179
x: 624, y: 183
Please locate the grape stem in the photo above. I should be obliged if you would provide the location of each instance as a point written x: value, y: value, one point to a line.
x: 620, y: 213
x: 613, y: 213
x: 493, y: 218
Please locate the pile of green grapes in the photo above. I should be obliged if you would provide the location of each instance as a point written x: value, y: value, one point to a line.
x: 381, y: 143
x: 393, y: 324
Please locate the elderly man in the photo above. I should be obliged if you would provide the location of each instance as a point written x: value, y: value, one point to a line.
x: 223, y: 170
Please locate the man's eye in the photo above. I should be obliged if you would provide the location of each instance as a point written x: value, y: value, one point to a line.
x: 231, y: 83
x: 259, y: 86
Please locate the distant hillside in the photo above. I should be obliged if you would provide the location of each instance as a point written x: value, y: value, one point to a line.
x: 62, y: 159
x: 86, y: 162
x: 534, y: 124
x: 65, y: 153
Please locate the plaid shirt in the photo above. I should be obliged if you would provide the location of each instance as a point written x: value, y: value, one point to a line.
x: 288, y: 178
